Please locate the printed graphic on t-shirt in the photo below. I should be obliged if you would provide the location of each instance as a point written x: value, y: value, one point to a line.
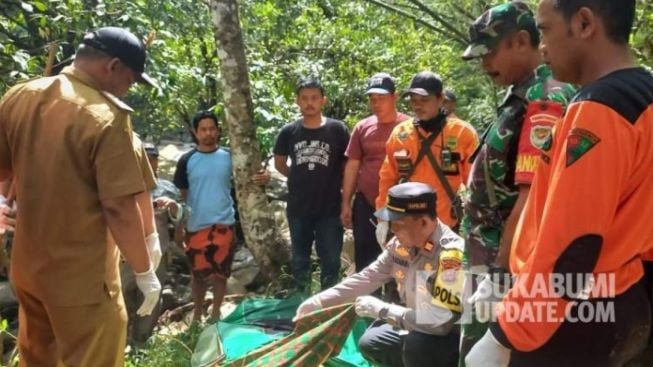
x: 312, y: 152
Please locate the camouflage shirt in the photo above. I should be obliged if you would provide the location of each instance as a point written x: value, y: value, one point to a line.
x: 492, y: 191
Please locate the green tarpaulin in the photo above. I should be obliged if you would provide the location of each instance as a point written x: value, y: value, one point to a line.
x: 259, y: 332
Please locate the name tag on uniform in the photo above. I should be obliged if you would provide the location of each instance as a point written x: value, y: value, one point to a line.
x: 399, y: 261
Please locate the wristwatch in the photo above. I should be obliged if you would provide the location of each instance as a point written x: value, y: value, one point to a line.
x: 383, y: 313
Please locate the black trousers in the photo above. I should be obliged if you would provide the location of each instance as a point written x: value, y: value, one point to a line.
x: 596, y: 344
x: 387, y: 347
x: 366, y: 248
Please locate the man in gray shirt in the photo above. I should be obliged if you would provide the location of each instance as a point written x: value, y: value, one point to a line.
x: 424, y: 258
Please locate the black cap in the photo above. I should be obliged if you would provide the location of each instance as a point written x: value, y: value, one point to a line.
x: 380, y: 83
x: 449, y: 95
x: 425, y: 83
x: 407, y: 199
x: 121, y: 43
x: 151, y: 149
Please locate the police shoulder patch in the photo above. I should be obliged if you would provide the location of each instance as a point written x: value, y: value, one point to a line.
x: 447, y: 291
x: 402, y: 251
x: 579, y: 142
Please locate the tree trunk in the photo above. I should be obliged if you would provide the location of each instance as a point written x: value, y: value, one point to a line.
x: 261, y: 235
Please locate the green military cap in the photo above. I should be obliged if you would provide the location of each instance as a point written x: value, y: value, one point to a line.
x: 497, y: 22
x: 406, y: 199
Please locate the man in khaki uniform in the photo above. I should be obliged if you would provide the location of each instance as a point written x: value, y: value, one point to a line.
x: 67, y: 142
x: 139, y: 328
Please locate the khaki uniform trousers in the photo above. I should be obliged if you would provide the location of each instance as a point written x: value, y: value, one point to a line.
x: 73, y: 336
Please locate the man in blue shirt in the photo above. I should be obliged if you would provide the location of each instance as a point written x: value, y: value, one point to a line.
x: 204, y: 177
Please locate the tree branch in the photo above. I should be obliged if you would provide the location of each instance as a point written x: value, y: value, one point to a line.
x: 459, y: 36
x: 410, y: 16
x: 463, y: 12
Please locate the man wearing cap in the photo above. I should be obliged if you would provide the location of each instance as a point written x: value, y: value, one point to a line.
x: 450, y: 103
x: 67, y: 141
x: 430, y: 148
x: 365, y: 154
x: 425, y: 259
x: 506, y: 40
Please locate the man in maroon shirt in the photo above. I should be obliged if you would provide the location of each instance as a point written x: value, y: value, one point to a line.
x: 365, y: 154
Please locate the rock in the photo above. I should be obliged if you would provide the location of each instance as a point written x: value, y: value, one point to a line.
x: 347, y: 260
x: 235, y: 286
x: 243, y: 271
x: 7, y: 297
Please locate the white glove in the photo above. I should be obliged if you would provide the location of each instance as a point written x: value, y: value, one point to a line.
x: 488, y: 352
x: 149, y: 285
x: 7, y: 216
x: 382, y: 229
x: 154, y: 249
x: 368, y: 306
x: 487, y: 295
x: 309, y: 305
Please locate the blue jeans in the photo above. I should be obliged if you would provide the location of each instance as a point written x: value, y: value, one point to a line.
x: 327, y: 233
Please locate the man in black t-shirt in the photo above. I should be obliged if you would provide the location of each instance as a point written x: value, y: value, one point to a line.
x: 316, y: 147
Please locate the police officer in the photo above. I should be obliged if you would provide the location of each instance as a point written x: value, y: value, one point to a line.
x: 506, y: 41
x: 67, y: 141
x: 425, y: 260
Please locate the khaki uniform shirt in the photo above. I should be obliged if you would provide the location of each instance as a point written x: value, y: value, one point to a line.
x: 69, y: 146
x: 112, y: 278
x: 144, y: 163
x: 429, y: 281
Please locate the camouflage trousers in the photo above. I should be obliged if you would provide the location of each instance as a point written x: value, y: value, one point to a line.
x: 472, y: 329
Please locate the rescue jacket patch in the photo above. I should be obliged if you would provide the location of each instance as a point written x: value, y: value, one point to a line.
x: 579, y: 142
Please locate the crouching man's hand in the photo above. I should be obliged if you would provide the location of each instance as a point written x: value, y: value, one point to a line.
x: 311, y: 304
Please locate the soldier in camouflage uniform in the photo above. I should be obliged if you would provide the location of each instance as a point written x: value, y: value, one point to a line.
x: 506, y: 40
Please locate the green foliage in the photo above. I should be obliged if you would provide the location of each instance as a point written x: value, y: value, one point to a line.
x: 343, y: 42
x: 13, y: 358
x: 166, y: 350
